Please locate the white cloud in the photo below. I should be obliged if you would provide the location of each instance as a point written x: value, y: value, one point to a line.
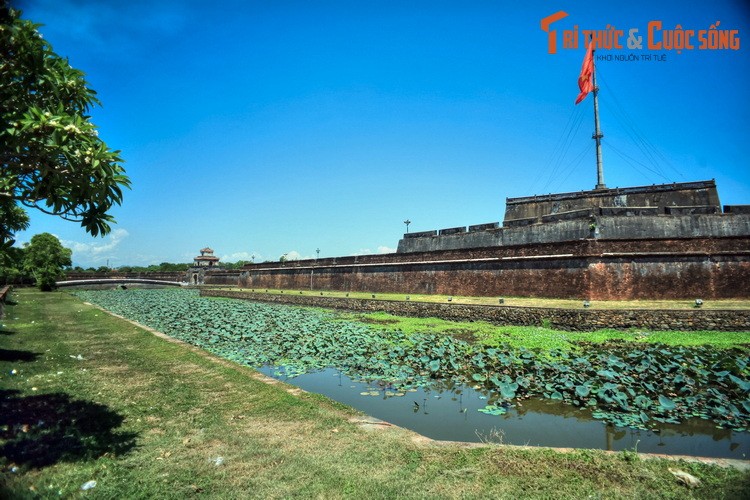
x: 295, y: 255
x: 236, y: 256
x: 381, y: 249
x: 185, y: 257
x: 140, y: 260
x: 96, y: 252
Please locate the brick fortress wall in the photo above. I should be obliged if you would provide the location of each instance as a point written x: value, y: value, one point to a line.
x: 595, y: 269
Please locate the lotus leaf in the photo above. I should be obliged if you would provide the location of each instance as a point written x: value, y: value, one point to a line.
x: 508, y: 391
x: 742, y: 384
x: 493, y: 410
x: 665, y: 403
x: 583, y: 390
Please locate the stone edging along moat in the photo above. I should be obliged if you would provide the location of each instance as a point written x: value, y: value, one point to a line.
x: 562, y: 319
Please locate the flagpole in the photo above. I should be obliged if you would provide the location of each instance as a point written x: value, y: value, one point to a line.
x: 597, y: 132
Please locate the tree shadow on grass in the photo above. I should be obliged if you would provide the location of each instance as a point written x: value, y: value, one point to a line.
x: 42, y: 430
x: 13, y: 355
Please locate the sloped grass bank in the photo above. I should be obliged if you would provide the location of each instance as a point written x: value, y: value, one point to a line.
x: 176, y: 422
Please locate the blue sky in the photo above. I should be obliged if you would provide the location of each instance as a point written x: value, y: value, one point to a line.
x: 264, y: 128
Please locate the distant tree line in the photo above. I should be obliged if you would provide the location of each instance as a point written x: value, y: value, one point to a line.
x: 44, y: 260
x: 164, y: 267
x: 14, y: 270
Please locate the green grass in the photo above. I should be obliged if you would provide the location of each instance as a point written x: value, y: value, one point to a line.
x: 533, y: 337
x: 146, y: 417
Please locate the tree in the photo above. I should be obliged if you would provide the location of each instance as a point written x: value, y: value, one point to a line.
x: 46, y: 260
x: 51, y: 157
x: 11, y: 266
x: 12, y: 219
x: 234, y: 265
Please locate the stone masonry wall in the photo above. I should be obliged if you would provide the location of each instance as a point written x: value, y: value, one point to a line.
x: 641, y: 227
x: 587, y: 269
x: 565, y: 319
x: 700, y: 193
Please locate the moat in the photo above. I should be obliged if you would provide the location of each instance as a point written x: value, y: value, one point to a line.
x: 452, y: 414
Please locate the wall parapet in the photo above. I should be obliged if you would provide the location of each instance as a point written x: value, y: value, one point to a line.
x: 700, y: 193
x: 612, y: 223
x: 422, y: 234
x: 563, y: 319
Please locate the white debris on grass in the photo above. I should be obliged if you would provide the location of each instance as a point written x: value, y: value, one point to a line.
x: 685, y: 478
x: 88, y: 485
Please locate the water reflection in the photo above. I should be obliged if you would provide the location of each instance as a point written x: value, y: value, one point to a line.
x: 449, y: 411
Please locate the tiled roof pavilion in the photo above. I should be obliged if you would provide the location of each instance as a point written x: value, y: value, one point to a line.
x: 206, y: 258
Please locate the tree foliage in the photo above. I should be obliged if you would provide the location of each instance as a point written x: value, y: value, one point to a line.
x: 11, y: 266
x: 234, y: 265
x: 46, y: 259
x: 51, y: 156
x: 164, y: 267
x: 12, y: 219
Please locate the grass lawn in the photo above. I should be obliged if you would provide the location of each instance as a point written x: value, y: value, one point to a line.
x: 89, y: 397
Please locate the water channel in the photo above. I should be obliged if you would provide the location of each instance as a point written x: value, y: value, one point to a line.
x: 441, y: 408
x: 451, y: 414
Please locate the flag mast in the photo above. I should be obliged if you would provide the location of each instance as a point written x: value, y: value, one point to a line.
x: 597, y: 130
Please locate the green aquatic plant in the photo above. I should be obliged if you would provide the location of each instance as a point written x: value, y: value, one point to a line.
x: 634, y: 385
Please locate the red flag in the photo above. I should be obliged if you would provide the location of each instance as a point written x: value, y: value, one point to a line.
x: 587, y: 71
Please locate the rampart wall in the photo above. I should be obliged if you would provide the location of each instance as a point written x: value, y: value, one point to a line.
x: 595, y: 269
x: 659, y: 197
x: 565, y: 319
x: 561, y: 228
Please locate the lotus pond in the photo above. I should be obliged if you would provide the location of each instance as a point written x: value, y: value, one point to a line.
x: 666, y: 399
